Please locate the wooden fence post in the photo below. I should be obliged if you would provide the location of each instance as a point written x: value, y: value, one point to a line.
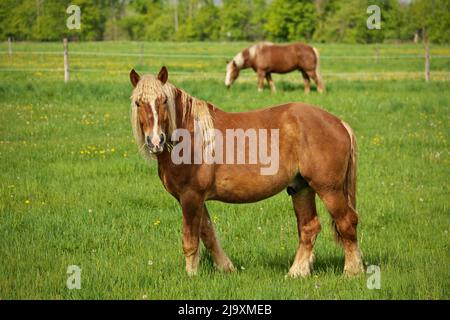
x: 427, y: 53
x: 9, y: 47
x: 427, y: 62
x: 66, y: 60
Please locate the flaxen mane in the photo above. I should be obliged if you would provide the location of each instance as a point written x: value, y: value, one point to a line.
x: 253, y: 50
x: 194, y: 110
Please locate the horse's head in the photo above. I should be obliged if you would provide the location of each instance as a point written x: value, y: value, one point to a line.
x: 232, y: 73
x: 152, y: 114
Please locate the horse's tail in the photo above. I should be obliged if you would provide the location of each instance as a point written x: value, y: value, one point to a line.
x: 320, y: 84
x: 350, y: 177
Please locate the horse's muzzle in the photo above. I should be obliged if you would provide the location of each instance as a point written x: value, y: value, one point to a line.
x: 156, y: 147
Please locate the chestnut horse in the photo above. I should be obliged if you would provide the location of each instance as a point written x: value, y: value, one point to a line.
x: 317, y: 155
x: 266, y: 58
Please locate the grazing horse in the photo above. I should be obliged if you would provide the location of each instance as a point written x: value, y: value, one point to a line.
x: 266, y: 58
x: 316, y: 154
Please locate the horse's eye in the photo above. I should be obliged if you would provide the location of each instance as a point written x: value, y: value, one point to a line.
x: 137, y: 104
x: 165, y: 101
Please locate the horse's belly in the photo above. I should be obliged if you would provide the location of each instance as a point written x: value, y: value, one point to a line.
x: 243, y: 186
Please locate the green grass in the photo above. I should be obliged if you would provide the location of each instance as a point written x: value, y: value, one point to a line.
x: 74, y: 191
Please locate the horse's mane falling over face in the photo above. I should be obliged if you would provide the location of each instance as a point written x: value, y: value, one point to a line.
x: 154, y: 98
x: 150, y: 96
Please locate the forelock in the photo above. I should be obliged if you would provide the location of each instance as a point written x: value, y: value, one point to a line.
x: 148, y: 89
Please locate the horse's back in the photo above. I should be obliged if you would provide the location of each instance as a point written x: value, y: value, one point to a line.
x: 293, y: 117
x: 285, y: 58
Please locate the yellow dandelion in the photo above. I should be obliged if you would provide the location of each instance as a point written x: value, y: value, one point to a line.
x: 27, y: 201
x: 157, y: 222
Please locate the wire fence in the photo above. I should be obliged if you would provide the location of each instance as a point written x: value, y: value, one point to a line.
x: 373, y: 75
x: 212, y: 56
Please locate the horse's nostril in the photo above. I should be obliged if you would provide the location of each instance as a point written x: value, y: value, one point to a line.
x: 149, y: 142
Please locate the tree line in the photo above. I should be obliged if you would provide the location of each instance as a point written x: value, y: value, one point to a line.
x: 214, y: 20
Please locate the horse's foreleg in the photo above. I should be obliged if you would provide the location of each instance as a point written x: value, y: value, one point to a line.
x: 192, y: 206
x: 306, y: 82
x: 211, y: 242
x: 270, y: 82
x: 308, y: 228
x: 261, y: 76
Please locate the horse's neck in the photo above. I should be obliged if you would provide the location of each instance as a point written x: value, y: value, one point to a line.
x: 183, y: 110
x: 164, y: 161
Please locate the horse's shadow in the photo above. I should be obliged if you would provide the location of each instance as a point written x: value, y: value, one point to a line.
x: 333, y: 264
x: 329, y: 264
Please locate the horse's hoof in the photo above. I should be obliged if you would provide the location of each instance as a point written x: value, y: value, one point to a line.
x: 229, y: 268
x: 294, y: 275
x: 302, y: 272
x: 353, y: 271
x: 191, y: 272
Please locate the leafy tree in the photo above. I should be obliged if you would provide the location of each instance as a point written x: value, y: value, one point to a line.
x: 291, y: 20
x: 324, y: 9
x: 234, y: 18
x: 433, y: 18
x: 50, y: 23
x: 17, y: 19
x: 161, y: 29
x: 206, y: 24
x: 349, y: 24
x: 280, y: 20
x: 92, y: 21
x: 258, y: 19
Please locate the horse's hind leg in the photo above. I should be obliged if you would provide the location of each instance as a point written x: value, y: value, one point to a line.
x: 209, y: 238
x: 270, y: 82
x: 306, y: 82
x: 317, y: 80
x: 346, y: 220
x: 308, y: 228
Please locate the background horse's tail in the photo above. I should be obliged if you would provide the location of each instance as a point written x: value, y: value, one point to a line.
x: 350, y: 177
x: 320, y: 84
x: 350, y: 180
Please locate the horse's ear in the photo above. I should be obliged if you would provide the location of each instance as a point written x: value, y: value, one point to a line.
x: 134, y: 77
x: 163, y: 75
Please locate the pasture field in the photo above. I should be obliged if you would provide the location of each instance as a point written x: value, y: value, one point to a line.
x: 74, y: 191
